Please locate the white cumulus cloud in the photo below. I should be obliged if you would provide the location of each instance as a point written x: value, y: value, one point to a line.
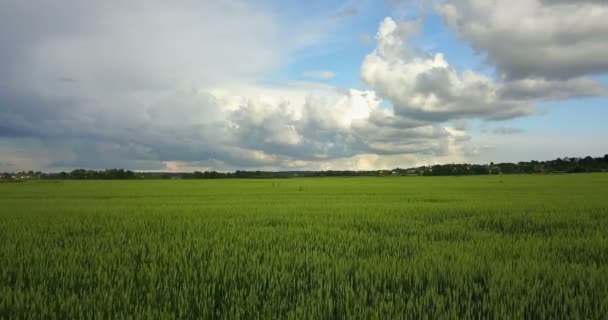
x: 425, y: 86
x: 320, y: 74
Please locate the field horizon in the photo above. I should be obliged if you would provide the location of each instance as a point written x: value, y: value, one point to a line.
x: 516, y: 246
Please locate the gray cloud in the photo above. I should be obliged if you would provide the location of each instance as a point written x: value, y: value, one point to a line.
x: 115, y: 46
x: 549, y: 39
x: 6, y: 164
x: 113, y: 83
x: 460, y: 125
x: 542, y: 89
x: 573, y: 2
x: 506, y: 131
x: 320, y: 74
x: 347, y: 12
x: 203, y: 128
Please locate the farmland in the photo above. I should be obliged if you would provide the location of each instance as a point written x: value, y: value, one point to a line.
x: 519, y: 246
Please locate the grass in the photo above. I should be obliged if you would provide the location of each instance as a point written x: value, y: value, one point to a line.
x: 320, y: 248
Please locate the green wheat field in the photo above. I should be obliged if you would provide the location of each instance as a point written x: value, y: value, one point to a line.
x: 519, y: 246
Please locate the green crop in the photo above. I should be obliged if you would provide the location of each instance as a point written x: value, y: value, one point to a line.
x: 511, y: 247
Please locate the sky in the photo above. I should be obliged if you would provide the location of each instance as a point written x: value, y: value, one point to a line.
x: 190, y: 85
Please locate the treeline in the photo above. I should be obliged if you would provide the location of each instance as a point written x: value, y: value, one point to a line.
x: 560, y: 165
x: 111, y: 174
x: 563, y: 165
x: 78, y: 174
x: 240, y: 174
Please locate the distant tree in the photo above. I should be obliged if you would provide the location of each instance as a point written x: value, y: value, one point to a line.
x: 78, y: 174
x: 479, y: 169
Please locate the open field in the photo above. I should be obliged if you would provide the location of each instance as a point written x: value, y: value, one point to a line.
x: 322, y: 248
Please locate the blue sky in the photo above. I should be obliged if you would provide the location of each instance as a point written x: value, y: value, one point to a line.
x: 300, y: 85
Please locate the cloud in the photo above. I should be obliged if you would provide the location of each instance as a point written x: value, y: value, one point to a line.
x: 296, y: 127
x: 111, y: 49
x: 136, y: 86
x: 426, y: 87
x: 506, y: 131
x: 460, y: 125
x: 320, y: 74
x: 542, y: 89
x: 330, y: 124
x: 366, y: 39
x: 572, y: 1
x: 547, y: 39
x: 347, y: 12
x: 161, y: 87
x: 408, y: 7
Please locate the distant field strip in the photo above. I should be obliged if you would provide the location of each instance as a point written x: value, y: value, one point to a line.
x: 512, y: 247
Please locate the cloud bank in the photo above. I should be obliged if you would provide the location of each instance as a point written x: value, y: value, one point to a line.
x: 164, y: 86
x: 545, y: 49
